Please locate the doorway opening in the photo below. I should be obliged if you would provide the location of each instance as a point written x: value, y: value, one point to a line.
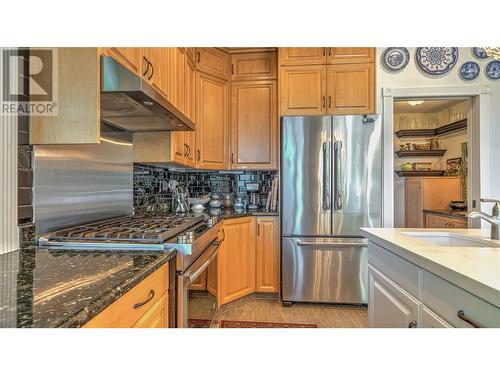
x: 431, y: 142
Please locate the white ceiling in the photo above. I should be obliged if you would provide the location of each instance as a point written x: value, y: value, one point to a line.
x: 426, y: 106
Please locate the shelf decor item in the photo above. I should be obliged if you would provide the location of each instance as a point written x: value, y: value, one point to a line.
x: 493, y: 69
x: 396, y: 58
x: 453, y: 167
x: 422, y: 166
x: 479, y: 52
x: 436, y: 60
x: 469, y: 71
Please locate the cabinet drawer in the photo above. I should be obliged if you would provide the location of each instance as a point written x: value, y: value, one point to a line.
x: 402, y: 272
x: 447, y: 299
x: 122, y: 314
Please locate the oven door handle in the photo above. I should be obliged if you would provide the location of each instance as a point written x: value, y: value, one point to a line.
x: 192, y: 276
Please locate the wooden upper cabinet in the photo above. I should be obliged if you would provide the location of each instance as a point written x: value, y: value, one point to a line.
x: 254, y: 66
x: 212, y: 122
x: 213, y: 61
x: 303, y: 90
x: 236, y: 260
x: 130, y: 57
x: 254, y: 125
x: 302, y: 56
x: 349, y: 55
x: 351, y: 89
x: 190, y: 53
x: 158, y: 70
x: 190, y: 111
x: 267, y: 274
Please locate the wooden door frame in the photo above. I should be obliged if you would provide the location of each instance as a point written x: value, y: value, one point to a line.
x: 478, y: 139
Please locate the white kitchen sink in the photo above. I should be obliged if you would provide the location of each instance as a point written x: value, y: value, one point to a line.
x: 447, y: 239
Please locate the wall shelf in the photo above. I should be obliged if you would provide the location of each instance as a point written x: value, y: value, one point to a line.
x: 451, y: 128
x: 418, y: 153
x: 419, y: 173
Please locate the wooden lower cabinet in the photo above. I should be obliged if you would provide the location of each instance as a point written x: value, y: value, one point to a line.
x: 157, y: 316
x: 433, y: 220
x: 248, y: 260
x: 236, y: 260
x: 431, y: 193
x: 145, y: 305
x: 267, y: 255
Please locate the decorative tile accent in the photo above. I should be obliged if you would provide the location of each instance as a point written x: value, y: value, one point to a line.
x: 150, y: 183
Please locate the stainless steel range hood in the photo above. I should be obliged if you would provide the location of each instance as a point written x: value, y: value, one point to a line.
x: 130, y: 103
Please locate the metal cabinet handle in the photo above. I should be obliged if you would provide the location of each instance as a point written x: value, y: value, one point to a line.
x: 258, y: 229
x: 324, y: 101
x: 324, y: 51
x: 152, y: 71
x: 224, y: 235
x: 338, y: 175
x: 329, y: 101
x: 150, y: 297
x: 232, y: 69
x: 145, y: 65
x: 330, y: 51
x: 413, y: 324
x: 199, y: 56
x: 465, y: 318
x: 199, y: 155
x: 185, y: 150
x: 232, y: 157
x: 188, y: 150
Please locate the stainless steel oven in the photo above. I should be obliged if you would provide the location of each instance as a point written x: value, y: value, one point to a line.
x: 197, y: 306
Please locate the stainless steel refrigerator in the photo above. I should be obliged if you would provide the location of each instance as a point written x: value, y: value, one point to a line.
x: 331, y: 177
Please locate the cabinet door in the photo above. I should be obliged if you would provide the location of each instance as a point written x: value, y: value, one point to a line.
x: 254, y: 66
x: 156, y: 316
x: 459, y: 223
x: 190, y: 53
x: 212, y: 130
x: 436, y: 221
x: 302, y: 56
x: 190, y: 111
x: 413, y: 203
x: 178, y: 147
x: 432, y: 320
x: 267, y: 255
x: 129, y: 57
x: 236, y: 260
x: 389, y: 306
x: 349, y: 55
x: 303, y: 90
x: 157, y: 74
x: 254, y: 125
x: 351, y: 89
x: 213, y: 61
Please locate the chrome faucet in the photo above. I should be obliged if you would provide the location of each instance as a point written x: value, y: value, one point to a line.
x: 493, y: 219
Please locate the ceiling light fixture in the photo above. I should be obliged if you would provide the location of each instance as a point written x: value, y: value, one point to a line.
x: 415, y: 102
x: 493, y: 52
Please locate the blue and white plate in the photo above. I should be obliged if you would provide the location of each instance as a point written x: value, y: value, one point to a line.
x: 492, y: 70
x: 469, y: 70
x: 396, y: 58
x: 436, y: 60
x: 479, y: 52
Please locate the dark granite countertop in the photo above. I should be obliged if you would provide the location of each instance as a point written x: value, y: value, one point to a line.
x: 229, y: 213
x: 47, y: 288
x: 450, y: 213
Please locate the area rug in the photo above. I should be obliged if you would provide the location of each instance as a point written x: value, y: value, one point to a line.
x: 242, y: 324
x: 198, y: 323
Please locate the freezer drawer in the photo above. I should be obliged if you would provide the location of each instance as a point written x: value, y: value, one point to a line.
x: 331, y: 270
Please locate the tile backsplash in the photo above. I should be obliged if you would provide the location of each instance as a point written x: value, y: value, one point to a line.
x: 150, y: 183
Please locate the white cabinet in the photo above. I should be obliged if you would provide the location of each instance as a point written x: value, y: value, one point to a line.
x: 401, y: 294
x: 389, y: 305
x: 431, y: 320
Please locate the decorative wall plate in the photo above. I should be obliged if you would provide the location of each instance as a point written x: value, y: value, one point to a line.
x: 396, y: 58
x: 469, y: 71
x: 479, y: 52
x: 492, y: 70
x: 436, y: 60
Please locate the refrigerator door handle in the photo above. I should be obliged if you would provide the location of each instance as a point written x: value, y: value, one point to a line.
x: 332, y: 245
x: 338, y: 175
x: 326, y: 175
